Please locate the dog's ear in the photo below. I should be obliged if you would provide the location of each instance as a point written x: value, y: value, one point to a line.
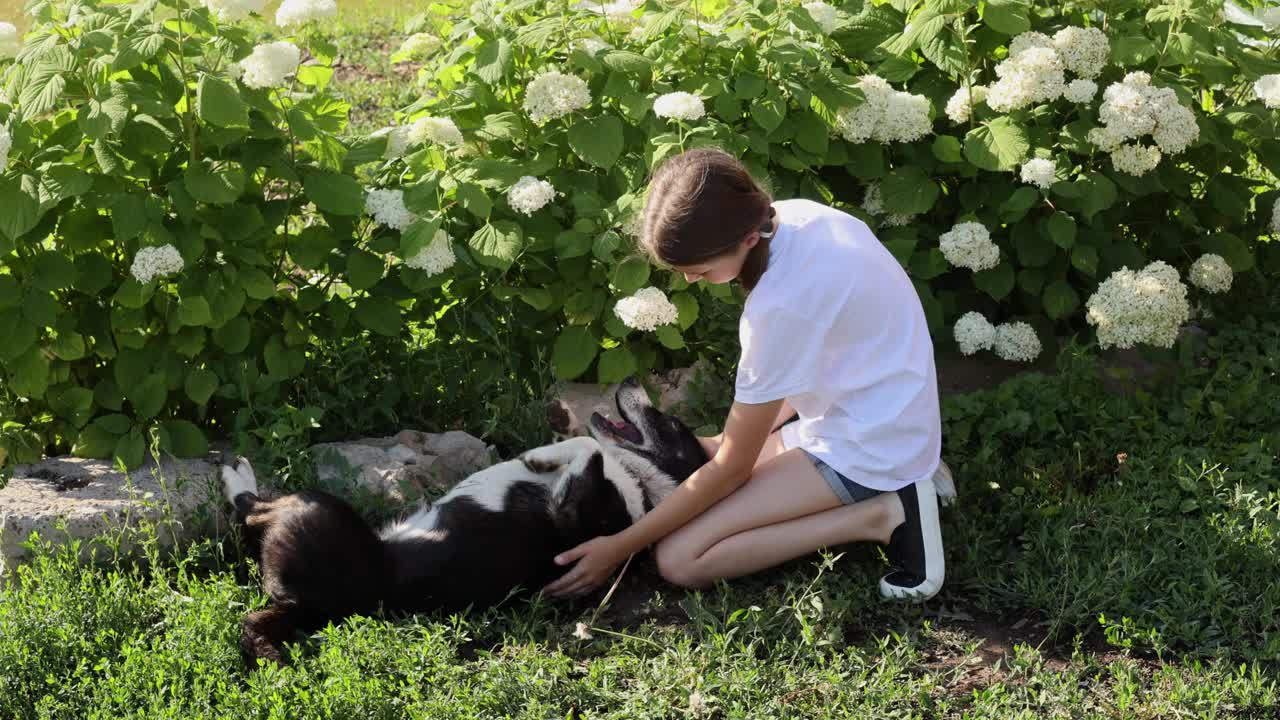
x: 579, y: 482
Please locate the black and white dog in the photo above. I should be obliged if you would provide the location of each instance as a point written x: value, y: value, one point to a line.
x: 495, y: 532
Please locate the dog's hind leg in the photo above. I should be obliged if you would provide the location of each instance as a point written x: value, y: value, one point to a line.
x: 263, y: 634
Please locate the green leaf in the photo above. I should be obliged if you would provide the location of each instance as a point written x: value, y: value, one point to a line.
x: 572, y: 244
x: 997, y: 281
x: 130, y: 451
x: 616, y: 365
x: 95, y: 441
x: 947, y: 149
x: 53, y: 271
x: 185, y: 439
x: 148, y: 396
x: 200, y: 385
x: 194, y: 310
x: 73, y: 404
x: 364, y: 269
x: 928, y: 264
x: 669, y: 336
x: 1085, y: 259
x: 256, y: 283
x: 537, y: 298
x: 748, y: 85
x: 770, y: 111
x: 1062, y: 228
x: 1010, y: 17
x: 1033, y: 248
x: 21, y: 205
x: 999, y: 145
x: 132, y: 294
x: 597, y: 141
x: 908, y: 191
x: 222, y: 186
x: 687, y: 307
x: 1097, y: 193
x: 64, y: 181
x: 100, y: 118
x: 219, y: 103
x: 29, y: 374
x: 334, y: 192
x: 606, y: 242
x: 69, y: 346
x: 233, y: 337
x: 811, y: 132
x: 1016, y: 205
x: 1060, y: 299
x: 946, y: 51
x: 311, y: 248
x: 497, y: 244
x: 493, y: 59
x: 380, y: 315
x: 573, y: 351
x: 1232, y: 249
x: 475, y: 200
x: 926, y: 25
x: 45, y: 83
x: 631, y: 274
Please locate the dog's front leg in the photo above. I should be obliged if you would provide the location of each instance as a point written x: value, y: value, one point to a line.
x: 551, y: 458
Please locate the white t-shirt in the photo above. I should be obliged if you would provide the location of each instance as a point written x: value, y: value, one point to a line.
x: 835, y: 327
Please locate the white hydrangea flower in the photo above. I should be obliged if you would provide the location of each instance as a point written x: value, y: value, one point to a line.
x: 590, y: 45
x: 1275, y: 217
x: 440, y: 131
x: 235, y: 70
x: 620, y: 11
x: 896, y: 220
x: 973, y: 332
x: 553, y: 95
x: 873, y: 202
x: 646, y: 310
x: 300, y: 12
x: 270, y: 64
x: 968, y: 245
x: 1033, y: 75
x: 1028, y: 41
x: 530, y: 194
x: 1080, y: 91
x: 679, y: 106
x: 886, y: 115
x: 1148, y: 306
x: 436, y: 257
x: 1268, y: 90
x: 1135, y: 159
x: 153, y: 262
x: 1133, y: 108
x: 1017, y: 341
x: 397, y: 140
x: 1084, y: 50
x: 232, y: 10
x: 6, y: 144
x: 10, y: 43
x: 419, y: 46
x: 1104, y: 139
x: 827, y: 16
x: 1039, y: 172
x: 960, y: 106
x: 1211, y: 273
x: 387, y: 207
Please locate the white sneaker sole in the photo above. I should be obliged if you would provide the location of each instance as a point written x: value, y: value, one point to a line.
x: 934, y: 562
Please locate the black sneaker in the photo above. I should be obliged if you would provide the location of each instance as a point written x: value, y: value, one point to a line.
x: 915, y: 547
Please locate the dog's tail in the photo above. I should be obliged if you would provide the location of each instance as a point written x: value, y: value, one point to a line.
x: 263, y: 633
x: 240, y: 487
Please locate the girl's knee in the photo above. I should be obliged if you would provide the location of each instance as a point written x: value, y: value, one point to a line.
x: 677, y: 567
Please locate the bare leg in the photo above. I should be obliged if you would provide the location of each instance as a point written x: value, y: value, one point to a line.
x: 784, y: 511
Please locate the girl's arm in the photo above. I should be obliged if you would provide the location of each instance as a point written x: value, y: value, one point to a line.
x: 785, y: 413
x: 746, y: 431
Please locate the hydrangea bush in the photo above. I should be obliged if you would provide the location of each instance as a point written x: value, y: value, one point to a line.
x: 1036, y: 169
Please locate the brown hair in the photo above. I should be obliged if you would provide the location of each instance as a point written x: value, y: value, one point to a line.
x: 701, y: 204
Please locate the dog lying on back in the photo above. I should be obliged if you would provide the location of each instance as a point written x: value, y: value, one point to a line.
x: 495, y: 532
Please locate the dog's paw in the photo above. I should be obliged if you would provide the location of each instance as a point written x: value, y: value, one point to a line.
x: 238, y: 480
x: 552, y: 458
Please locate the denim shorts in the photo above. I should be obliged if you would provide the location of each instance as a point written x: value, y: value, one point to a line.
x: 847, y: 490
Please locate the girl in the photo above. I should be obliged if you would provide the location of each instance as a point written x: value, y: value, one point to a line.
x: 832, y: 331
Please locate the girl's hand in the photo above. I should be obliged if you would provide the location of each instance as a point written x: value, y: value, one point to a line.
x: 597, y: 559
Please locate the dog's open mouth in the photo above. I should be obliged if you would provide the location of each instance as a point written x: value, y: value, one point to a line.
x: 620, y: 429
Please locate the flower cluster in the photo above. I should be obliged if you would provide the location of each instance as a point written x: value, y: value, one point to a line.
x: 397, y: 140
x: 968, y: 245
x: 153, y: 262
x: 419, y: 46
x: 1083, y: 50
x: 530, y: 194
x: 1147, y: 306
x: 827, y: 17
x: 436, y: 257
x: 300, y: 12
x: 679, y: 106
x: 270, y: 64
x: 553, y: 95
x: 387, y: 207
x: 973, y: 332
x: 1267, y: 89
x: 886, y: 115
x: 960, y: 106
x: 1017, y: 341
x: 1211, y: 273
x: 232, y: 10
x: 6, y: 143
x: 1033, y: 74
x: 1039, y: 172
x: 619, y: 11
x: 1134, y: 107
x: 872, y: 202
x: 439, y: 131
x: 10, y: 43
x: 646, y: 310
x: 1080, y: 91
